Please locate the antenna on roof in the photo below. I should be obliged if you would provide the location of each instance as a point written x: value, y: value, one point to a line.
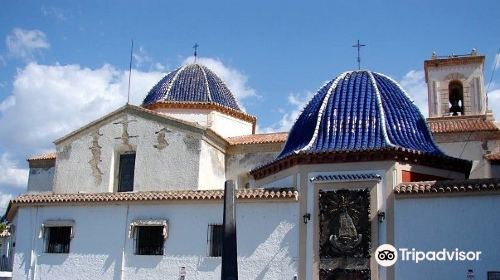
x: 195, y: 47
x: 130, y: 71
x: 358, y: 45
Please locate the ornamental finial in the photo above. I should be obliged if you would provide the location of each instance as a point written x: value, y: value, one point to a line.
x: 195, y: 47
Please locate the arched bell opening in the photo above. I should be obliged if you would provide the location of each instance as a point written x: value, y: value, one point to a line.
x: 456, y: 98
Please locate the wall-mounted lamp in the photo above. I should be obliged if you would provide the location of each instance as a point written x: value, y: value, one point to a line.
x: 381, y: 216
x: 306, y: 217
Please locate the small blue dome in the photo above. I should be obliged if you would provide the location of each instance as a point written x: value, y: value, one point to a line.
x: 360, y: 111
x: 192, y: 83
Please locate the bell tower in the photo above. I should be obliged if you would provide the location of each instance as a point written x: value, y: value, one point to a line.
x: 455, y: 85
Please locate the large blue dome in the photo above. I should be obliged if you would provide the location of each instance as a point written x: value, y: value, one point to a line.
x: 360, y: 111
x: 192, y: 83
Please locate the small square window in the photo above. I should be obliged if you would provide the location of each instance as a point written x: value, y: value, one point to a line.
x: 58, y: 239
x: 214, y: 240
x: 149, y: 240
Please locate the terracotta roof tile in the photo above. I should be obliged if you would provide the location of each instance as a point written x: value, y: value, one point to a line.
x: 245, y: 194
x: 442, y: 187
x: 265, y: 138
x: 51, y: 155
x: 493, y: 156
x: 461, y: 124
x: 5, y: 233
x: 150, y: 196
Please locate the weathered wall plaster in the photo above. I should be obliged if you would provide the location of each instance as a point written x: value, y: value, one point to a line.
x: 88, y: 161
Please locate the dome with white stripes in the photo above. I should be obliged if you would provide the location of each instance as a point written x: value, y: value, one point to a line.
x: 192, y: 83
x: 360, y: 111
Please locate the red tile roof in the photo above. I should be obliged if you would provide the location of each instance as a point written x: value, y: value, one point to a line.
x: 389, y: 153
x: 443, y: 187
x: 461, y: 124
x: 493, y: 156
x: 5, y: 233
x: 265, y: 138
x: 245, y: 194
x: 46, y: 156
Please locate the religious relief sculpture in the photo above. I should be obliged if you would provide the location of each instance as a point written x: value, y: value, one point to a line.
x: 348, y: 238
x: 345, y: 234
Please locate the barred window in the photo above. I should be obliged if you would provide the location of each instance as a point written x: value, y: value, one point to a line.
x: 214, y: 239
x: 149, y: 236
x: 58, y: 239
x: 149, y: 240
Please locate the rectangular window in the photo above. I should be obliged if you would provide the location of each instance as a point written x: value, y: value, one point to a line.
x: 214, y: 240
x: 149, y: 240
x: 126, y: 172
x: 58, y: 239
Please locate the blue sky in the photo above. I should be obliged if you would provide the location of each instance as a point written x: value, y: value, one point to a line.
x: 64, y: 63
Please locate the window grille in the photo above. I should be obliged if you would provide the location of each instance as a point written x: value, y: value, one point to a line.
x: 149, y: 236
x: 149, y: 240
x: 58, y: 239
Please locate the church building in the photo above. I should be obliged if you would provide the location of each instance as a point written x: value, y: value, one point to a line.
x: 138, y: 193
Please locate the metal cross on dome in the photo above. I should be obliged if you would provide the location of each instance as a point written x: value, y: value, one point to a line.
x: 358, y: 45
x: 195, y: 47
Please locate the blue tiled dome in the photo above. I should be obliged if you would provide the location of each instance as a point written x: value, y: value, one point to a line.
x: 192, y: 83
x: 360, y: 111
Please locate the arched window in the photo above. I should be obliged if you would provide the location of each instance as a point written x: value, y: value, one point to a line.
x: 456, y: 97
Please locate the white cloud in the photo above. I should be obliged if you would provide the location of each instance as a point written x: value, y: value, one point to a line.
x: 24, y: 44
x: 141, y: 57
x: 296, y: 102
x: 414, y: 84
x: 11, y: 174
x: 4, y: 202
x: 49, y: 101
x: 235, y: 80
x: 494, y: 102
x: 159, y: 67
x: 58, y: 14
x: 496, y: 61
x: 3, y: 62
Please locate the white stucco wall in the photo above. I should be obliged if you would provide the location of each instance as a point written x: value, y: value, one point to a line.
x: 267, y: 242
x: 167, y: 156
x: 212, y: 166
x: 238, y: 165
x: 228, y: 126
x: 41, y: 179
x: 472, y: 150
x: 224, y: 125
x: 197, y: 116
x: 469, y: 223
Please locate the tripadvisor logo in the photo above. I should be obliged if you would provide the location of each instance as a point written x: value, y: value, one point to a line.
x: 387, y: 255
